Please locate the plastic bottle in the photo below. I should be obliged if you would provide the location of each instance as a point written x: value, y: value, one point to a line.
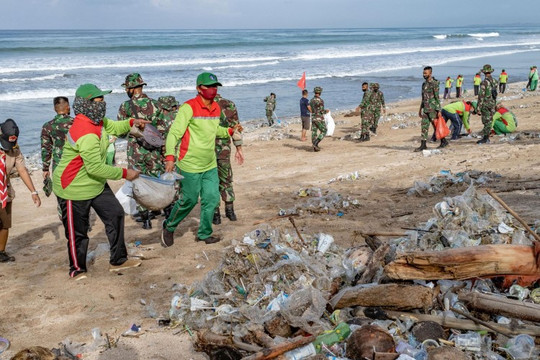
x: 301, y: 353
x: 521, y: 347
x: 471, y: 341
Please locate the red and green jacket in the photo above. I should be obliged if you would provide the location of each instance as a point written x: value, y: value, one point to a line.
x: 503, y: 78
x: 506, y: 117
x: 195, y: 128
x: 462, y: 109
x: 82, y: 171
x: 477, y: 80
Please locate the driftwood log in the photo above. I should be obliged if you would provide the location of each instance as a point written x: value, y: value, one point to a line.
x: 461, y: 324
x: 393, y: 296
x: 464, y: 263
x: 501, y: 305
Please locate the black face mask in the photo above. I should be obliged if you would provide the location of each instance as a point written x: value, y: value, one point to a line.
x: 426, y: 77
x: 94, y: 110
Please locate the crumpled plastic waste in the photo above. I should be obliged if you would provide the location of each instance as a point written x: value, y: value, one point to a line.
x: 316, y: 200
x: 446, y: 179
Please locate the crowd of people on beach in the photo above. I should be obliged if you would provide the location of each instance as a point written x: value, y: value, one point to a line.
x: 193, y: 139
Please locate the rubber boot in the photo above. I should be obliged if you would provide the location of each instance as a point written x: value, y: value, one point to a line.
x: 229, y: 211
x: 366, y: 137
x: 485, y: 140
x: 422, y: 146
x: 167, y: 211
x: 316, y: 145
x: 145, y: 217
x: 444, y: 143
x: 217, y: 217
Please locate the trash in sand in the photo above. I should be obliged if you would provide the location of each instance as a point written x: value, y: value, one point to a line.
x: 431, y: 152
x: 4, y: 344
x: 446, y: 179
x: 326, y: 201
x: 355, y: 175
x: 134, y: 331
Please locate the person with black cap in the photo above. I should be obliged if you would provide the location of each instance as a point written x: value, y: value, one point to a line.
x: 195, y: 128
x: 80, y: 180
x: 11, y: 157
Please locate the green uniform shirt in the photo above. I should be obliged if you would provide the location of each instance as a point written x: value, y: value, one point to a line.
x: 82, y: 171
x: 477, y: 80
x: 460, y: 108
x: 195, y: 127
x: 503, y: 78
x: 507, y: 117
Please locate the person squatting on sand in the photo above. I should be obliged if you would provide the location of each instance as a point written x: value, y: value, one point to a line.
x: 228, y: 119
x: 195, y: 129
x: 80, y: 181
x: 11, y: 157
x: 141, y: 155
x: 318, y: 126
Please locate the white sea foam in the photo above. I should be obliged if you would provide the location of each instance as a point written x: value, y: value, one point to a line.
x: 36, y: 78
x: 484, y: 35
x: 440, y: 37
x: 131, y: 65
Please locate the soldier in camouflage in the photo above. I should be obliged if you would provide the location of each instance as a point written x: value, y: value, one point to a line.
x: 270, y: 107
x: 487, y: 101
x: 140, y: 106
x: 430, y: 108
x: 318, y: 126
x: 365, y: 114
x: 168, y: 106
x: 53, y: 135
x: 228, y: 119
x: 376, y: 103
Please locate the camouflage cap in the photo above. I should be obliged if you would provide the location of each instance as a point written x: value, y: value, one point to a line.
x: 133, y: 80
x: 167, y: 102
x: 317, y: 90
x: 374, y: 86
x: 487, y: 69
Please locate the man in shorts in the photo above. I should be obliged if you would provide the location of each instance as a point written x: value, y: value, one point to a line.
x: 305, y: 111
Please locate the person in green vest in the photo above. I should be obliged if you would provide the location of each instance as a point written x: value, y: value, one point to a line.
x: 447, y: 87
x: 459, y: 84
x: 533, y: 79
x: 477, y: 82
x: 503, y: 79
x: 504, y: 121
x: 458, y: 113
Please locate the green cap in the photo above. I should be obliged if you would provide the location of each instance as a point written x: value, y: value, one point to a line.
x: 207, y: 79
x: 133, y: 80
x: 474, y: 105
x: 90, y: 91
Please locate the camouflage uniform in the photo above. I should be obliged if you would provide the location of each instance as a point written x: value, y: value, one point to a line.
x: 375, y: 103
x: 149, y: 162
x: 168, y: 103
x: 53, y: 136
x: 365, y: 112
x: 487, y: 103
x: 317, y: 119
x: 228, y: 119
x: 431, y: 104
x: 270, y: 107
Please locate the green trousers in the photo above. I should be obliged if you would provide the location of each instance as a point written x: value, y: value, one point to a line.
x: 534, y: 84
x: 193, y: 185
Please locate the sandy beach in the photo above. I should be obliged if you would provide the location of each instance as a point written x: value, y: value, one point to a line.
x: 42, y: 306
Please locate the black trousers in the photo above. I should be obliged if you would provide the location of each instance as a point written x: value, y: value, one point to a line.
x: 476, y: 88
x: 76, y: 219
x: 502, y: 88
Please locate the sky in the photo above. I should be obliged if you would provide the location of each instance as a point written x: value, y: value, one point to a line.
x: 267, y: 14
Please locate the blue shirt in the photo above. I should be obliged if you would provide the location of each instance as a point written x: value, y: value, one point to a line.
x: 304, y: 107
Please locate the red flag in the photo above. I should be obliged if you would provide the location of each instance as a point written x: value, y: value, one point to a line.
x: 302, y: 82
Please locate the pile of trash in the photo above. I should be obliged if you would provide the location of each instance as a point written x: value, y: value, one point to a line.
x: 446, y: 179
x: 304, y: 297
x: 469, y: 219
x: 320, y: 201
x: 355, y: 175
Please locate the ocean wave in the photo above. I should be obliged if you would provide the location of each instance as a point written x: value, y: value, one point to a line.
x: 474, y: 35
x: 142, y: 64
x: 484, y: 35
x: 37, y: 78
x: 241, y: 66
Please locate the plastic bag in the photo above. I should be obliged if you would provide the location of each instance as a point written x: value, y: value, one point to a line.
x: 125, y: 198
x: 441, y: 129
x: 154, y: 193
x: 330, y: 124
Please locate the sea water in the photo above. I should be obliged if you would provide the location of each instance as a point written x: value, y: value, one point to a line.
x: 37, y: 65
